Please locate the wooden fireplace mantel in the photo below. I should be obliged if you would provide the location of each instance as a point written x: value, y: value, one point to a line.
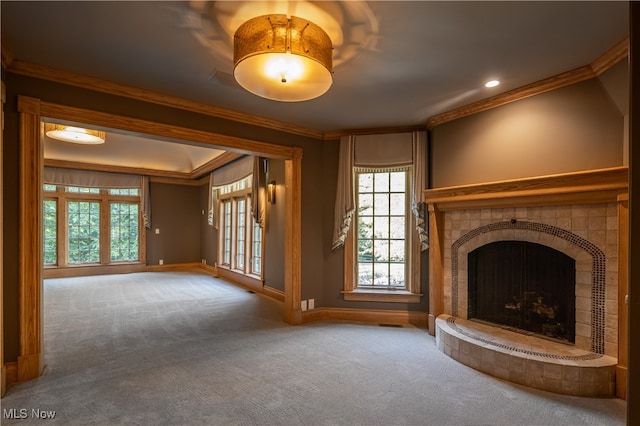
x: 587, y: 187
x: 594, y: 186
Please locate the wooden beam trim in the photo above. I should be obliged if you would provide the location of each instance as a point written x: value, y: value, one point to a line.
x: 29, y: 241
x: 217, y: 162
x: 104, y: 119
x: 542, y: 86
x: 293, y: 239
x: 174, y: 181
x: 114, y: 169
x: 99, y: 85
x: 337, y: 134
x: 611, y: 57
x: 7, y: 54
x: 601, y: 180
x: 416, y: 318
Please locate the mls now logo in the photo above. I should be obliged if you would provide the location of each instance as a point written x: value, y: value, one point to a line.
x: 23, y: 413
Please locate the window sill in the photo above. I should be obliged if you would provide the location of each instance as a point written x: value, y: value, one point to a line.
x: 370, y: 295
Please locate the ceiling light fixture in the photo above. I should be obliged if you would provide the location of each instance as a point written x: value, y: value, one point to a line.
x: 492, y: 83
x: 283, y: 59
x: 74, y: 134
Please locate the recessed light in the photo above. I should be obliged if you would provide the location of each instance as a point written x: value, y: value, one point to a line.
x: 492, y: 83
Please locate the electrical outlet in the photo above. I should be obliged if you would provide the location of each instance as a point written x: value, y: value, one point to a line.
x: 311, y: 303
x: 161, y: 262
x: 204, y: 261
x: 303, y: 305
x: 157, y: 230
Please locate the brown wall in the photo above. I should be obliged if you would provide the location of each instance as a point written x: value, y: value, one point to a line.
x: 208, y: 234
x: 333, y: 260
x: 175, y: 212
x: 577, y: 127
x: 53, y: 92
x: 574, y: 128
x: 274, y: 230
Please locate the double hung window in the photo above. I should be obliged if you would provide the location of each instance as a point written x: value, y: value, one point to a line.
x: 240, y: 238
x: 381, y: 247
x: 381, y: 220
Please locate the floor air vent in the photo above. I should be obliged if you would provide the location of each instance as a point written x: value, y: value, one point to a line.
x: 391, y: 325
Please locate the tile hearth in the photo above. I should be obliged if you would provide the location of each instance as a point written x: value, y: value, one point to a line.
x: 526, y: 359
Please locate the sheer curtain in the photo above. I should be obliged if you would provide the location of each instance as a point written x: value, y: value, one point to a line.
x: 345, y: 202
x: 212, y: 202
x: 145, y: 201
x: 420, y: 172
x: 225, y: 175
x: 258, y: 189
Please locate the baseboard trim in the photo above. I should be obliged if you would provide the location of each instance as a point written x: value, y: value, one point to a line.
x: 621, y: 382
x: 211, y: 270
x: 241, y: 280
x: 28, y: 367
x: 84, y: 271
x: 273, y: 293
x: 418, y: 319
x: 3, y: 381
x: 172, y: 267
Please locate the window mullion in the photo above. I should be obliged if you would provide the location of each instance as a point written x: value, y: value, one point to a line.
x: 63, y: 231
x: 105, y: 229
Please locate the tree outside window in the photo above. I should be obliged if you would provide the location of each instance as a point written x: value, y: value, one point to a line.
x: 381, y: 222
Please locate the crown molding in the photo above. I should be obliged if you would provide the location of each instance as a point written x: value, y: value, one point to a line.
x: 601, y: 64
x: 99, y: 85
x: 219, y: 161
x: 65, y: 164
x: 7, y: 54
x: 337, y: 134
x: 597, y: 67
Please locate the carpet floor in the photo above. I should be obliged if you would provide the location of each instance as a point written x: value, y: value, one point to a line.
x: 183, y: 348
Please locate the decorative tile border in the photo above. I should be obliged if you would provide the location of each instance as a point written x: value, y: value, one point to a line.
x: 598, y: 269
x: 451, y: 322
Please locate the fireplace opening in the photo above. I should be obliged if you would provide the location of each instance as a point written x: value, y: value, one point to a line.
x: 523, y: 285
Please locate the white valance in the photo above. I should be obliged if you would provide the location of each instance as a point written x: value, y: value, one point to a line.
x: 386, y: 150
x: 233, y: 172
x: 90, y: 179
x: 93, y: 179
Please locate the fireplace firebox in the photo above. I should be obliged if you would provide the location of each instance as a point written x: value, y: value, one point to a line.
x: 524, y: 286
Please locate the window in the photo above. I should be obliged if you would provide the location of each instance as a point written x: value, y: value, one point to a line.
x: 90, y: 226
x: 381, y: 228
x: 83, y: 227
x: 256, y: 250
x: 124, y: 232
x: 240, y: 237
x: 381, y: 241
x: 49, y: 235
x: 226, y: 233
x: 241, y: 220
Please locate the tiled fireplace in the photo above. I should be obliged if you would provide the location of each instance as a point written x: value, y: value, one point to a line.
x: 580, y: 216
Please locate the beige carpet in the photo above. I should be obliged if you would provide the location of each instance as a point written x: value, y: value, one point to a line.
x: 179, y: 348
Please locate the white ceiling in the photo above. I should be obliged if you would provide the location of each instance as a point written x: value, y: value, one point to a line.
x: 396, y: 63
x: 126, y: 150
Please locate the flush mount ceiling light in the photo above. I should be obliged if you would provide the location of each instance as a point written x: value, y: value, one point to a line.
x: 74, y: 134
x: 283, y: 59
x: 492, y: 83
